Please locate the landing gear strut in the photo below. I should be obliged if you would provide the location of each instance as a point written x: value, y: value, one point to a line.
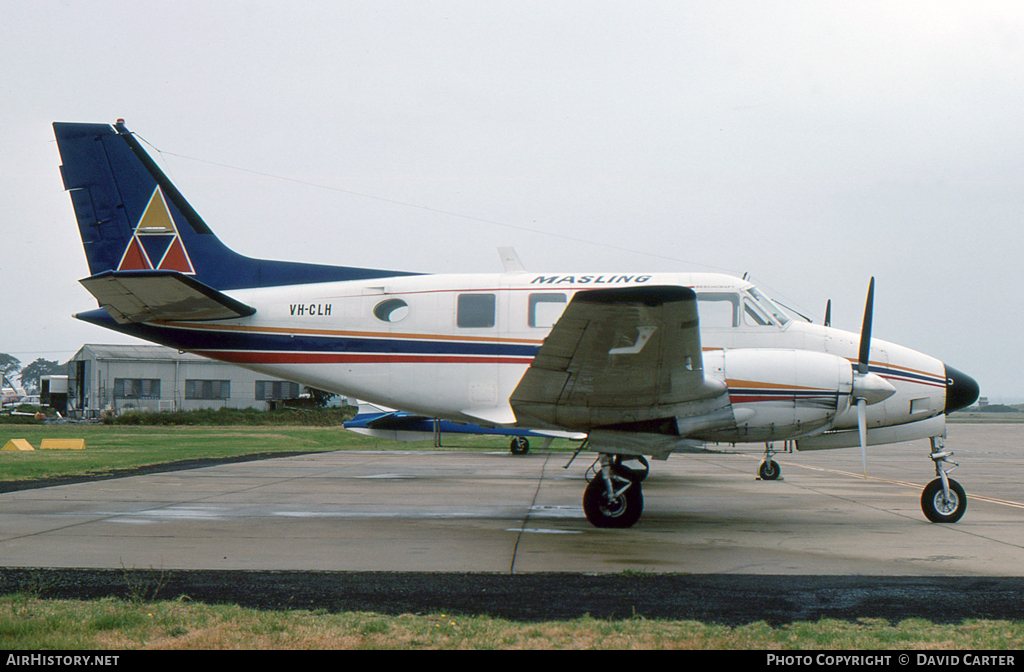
x: 636, y: 472
x: 613, y: 498
x: 943, y: 499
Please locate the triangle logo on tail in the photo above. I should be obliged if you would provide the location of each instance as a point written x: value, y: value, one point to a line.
x: 155, y: 244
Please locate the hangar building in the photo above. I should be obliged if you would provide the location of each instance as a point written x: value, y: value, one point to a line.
x: 152, y: 377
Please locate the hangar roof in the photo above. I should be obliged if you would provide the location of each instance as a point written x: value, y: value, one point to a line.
x: 135, y: 352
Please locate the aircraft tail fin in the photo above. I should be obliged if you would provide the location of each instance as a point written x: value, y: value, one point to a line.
x: 132, y: 218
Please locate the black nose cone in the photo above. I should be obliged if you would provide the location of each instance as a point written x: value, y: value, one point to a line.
x: 961, y: 390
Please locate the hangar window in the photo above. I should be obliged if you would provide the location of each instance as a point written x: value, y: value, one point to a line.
x: 545, y: 309
x: 392, y: 310
x: 137, y: 388
x: 276, y: 389
x: 207, y: 389
x: 476, y: 311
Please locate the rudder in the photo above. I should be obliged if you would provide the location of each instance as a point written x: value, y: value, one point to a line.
x: 103, y: 221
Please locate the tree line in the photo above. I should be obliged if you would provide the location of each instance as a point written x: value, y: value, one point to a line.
x: 30, y: 375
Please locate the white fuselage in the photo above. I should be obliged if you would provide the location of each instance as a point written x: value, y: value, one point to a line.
x: 456, y: 346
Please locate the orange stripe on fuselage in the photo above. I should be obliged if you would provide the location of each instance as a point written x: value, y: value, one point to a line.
x: 758, y: 385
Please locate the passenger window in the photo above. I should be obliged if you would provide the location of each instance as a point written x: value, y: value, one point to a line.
x: 391, y: 310
x: 476, y: 311
x: 545, y: 309
x: 718, y: 310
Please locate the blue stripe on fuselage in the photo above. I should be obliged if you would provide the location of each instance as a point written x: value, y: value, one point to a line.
x: 908, y: 376
x: 188, y: 339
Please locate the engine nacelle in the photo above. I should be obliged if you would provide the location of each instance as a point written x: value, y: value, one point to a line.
x: 780, y: 394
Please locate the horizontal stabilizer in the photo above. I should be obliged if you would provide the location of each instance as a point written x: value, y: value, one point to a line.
x: 142, y: 296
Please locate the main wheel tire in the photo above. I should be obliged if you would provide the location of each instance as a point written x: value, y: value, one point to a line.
x: 637, y: 474
x: 939, y: 510
x: 623, y: 511
x: 769, y: 470
x: 520, y: 445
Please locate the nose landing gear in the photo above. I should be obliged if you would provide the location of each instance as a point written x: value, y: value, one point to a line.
x: 943, y: 499
x: 769, y: 470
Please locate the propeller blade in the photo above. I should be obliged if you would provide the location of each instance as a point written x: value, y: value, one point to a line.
x: 865, y: 332
x: 862, y: 429
x: 828, y: 313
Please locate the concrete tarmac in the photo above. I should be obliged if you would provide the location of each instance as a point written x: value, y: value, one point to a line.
x: 492, y: 512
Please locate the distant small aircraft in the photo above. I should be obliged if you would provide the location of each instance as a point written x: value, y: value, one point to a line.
x: 644, y: 364
x: 388, y: 423
x: 10, y: 394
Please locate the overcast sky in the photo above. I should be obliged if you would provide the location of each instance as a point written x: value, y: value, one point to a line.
x: 811, y: 144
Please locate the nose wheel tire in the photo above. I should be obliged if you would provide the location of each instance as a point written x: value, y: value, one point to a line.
x: 940, y: 509
x: 769, y: 470
x: 621, y: 511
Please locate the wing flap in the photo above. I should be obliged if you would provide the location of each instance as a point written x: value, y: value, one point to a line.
x: 142, y: 296
x: 617, y: 356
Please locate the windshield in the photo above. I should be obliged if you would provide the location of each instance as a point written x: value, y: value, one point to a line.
x: 769, y: 307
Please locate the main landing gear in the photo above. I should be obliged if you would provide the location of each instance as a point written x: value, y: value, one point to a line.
x: 613, y: 497
x: 943, y: 500
x: 520, y: 445
x: 770, y: 469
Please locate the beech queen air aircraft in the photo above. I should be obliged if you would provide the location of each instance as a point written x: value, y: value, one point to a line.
x: 642, y: 364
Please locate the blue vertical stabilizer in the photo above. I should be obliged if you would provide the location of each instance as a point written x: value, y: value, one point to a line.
x: 132, y: 218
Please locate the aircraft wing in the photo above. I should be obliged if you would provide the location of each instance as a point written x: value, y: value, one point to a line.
x: 140, y: 296
x: 623, y: 358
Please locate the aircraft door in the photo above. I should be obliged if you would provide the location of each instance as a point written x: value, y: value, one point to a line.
x: 395, y: 342
x: 478, y: 315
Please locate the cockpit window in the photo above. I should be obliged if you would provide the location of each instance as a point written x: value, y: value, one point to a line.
x: 769, y: 307
x: 752, y: 314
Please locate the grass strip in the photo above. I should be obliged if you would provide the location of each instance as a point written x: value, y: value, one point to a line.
x: 112, y: 449
x: 30, y: 623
